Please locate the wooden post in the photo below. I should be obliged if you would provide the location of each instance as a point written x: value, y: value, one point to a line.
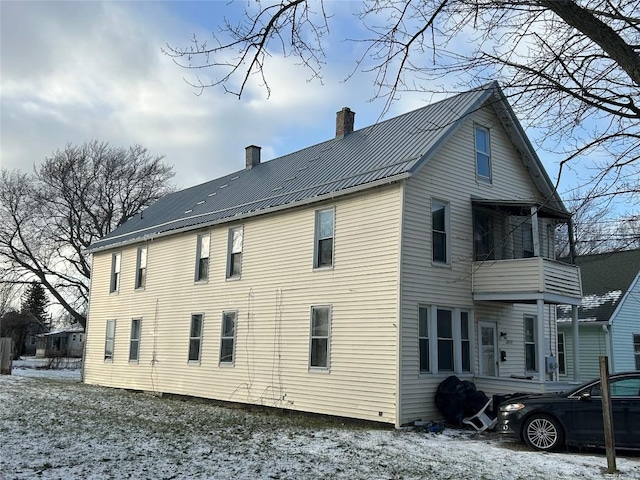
x: 6, y: 355
x: 607, y: 415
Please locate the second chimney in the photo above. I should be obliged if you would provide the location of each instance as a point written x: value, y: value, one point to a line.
x: 344, y: 122
x: 252, y: 156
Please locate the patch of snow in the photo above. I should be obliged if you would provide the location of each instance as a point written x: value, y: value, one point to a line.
x: 595, y: 301
x: 54, y: 428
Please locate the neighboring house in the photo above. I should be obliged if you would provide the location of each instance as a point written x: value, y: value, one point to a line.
x: 63, y: 342
x: 349, y: 278
x: 609, y: 316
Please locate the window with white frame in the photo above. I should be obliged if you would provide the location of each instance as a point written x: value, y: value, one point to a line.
x: 195, y: 338
x: 530, y: 344
x: 141, y: 267
x: 562, y: 359
x: 202, y: 258
x: 115, y: 272
x: 324, y: 238
x: 483, y: 153
x: 444, y: 339
x: 134, y: 340
x: 234, y: 260
x: 319, y: 343
x: 228, y: 337
x: 423, y: 338
x: 109, y: 339
x: 440, y: 230
x: 636, y: 349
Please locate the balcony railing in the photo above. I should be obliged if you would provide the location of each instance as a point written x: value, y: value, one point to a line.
x: 526, y: 280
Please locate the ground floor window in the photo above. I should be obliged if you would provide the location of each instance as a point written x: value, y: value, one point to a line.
x: 562, y: 359
x: 448, y: 349
x: 134, y: 341
x: 109, y: 339
x: 319, y: 343
x: 195, y: 338
x: 228, y: 338
x: 636, y: 349
x: 530, y: 343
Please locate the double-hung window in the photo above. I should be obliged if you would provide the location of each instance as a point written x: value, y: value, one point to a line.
x: 423, y: 338
x: 141, y: 267
x: 530, y: 344
x: 444, y: 340
x: 440, y: 230
x: 483, y: 153
x: 234, y: 260
x: 562, y: 359
x: 109, y: 339
x: 134, y: 341
x: 115, y: 272
x: 636, y: 349
x: 319, y: 343
x: 228, y: 338
x: 195, y: 338
x: 202, y: 258
x: 324, y: 238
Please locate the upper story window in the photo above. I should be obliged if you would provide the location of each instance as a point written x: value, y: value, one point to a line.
x: 234, y: 260
x: 115, y: 272
x: 483, y: 153
x: 109, y: 339
x: 228, y: 337
x: 141, y: 267
x: 202, y: 258
x: 195, y: 338
x: 320, y: 337
x: 324, y: 238
x: 440, y: 231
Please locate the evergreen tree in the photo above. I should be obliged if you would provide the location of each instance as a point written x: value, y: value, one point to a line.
x: 35, y: 302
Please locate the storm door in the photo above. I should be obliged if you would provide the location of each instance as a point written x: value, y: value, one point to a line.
x: 488, y: 349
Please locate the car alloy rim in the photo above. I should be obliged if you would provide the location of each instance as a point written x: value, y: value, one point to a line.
x: 542, y: 433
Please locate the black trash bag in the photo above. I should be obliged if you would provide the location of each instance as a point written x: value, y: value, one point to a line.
x: 450, y: 400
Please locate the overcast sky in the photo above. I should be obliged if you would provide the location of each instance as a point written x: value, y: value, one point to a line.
x: 76, y: 71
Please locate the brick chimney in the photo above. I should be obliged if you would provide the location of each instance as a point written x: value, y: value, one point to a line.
x: 344, y: 122
x: 252, y: 156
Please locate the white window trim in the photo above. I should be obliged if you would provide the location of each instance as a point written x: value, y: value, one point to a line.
x: 131, y: 339
x: 230, y: 251
x: 201, y: 338
x: 316, y: 239
x: 457, y: 340
x: 488, y: 154
x: 113, y: 340
x: 116, y: 273
x: 139, y: 266
x: 327, y: 368
x: 196, y: 278
x: 447, y: 232
x: 232, y: 363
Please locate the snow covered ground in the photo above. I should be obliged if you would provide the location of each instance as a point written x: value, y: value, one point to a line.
x: 53, y: 427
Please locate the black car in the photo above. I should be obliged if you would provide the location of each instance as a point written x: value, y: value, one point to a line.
x: 549, y: 421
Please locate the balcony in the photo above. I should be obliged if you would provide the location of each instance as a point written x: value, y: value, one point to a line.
x: 526, y: 280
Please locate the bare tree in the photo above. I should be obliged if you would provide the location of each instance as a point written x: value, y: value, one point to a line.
x: 571, y: 68
x: 79, y: 194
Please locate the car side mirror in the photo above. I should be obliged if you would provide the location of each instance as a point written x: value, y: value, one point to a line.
x: 585, y: 397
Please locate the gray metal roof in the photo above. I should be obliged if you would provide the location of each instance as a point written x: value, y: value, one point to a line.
x: 385, y: 152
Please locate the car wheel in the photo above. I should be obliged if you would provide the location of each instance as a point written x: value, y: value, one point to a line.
x: 542, y: 432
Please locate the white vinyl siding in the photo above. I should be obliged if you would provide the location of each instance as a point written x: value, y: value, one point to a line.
x: 451, y: 175
x: 114, y: 284
x: 271, y: 358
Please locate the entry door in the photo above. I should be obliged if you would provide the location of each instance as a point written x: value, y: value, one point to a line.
x: 488, y: 349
